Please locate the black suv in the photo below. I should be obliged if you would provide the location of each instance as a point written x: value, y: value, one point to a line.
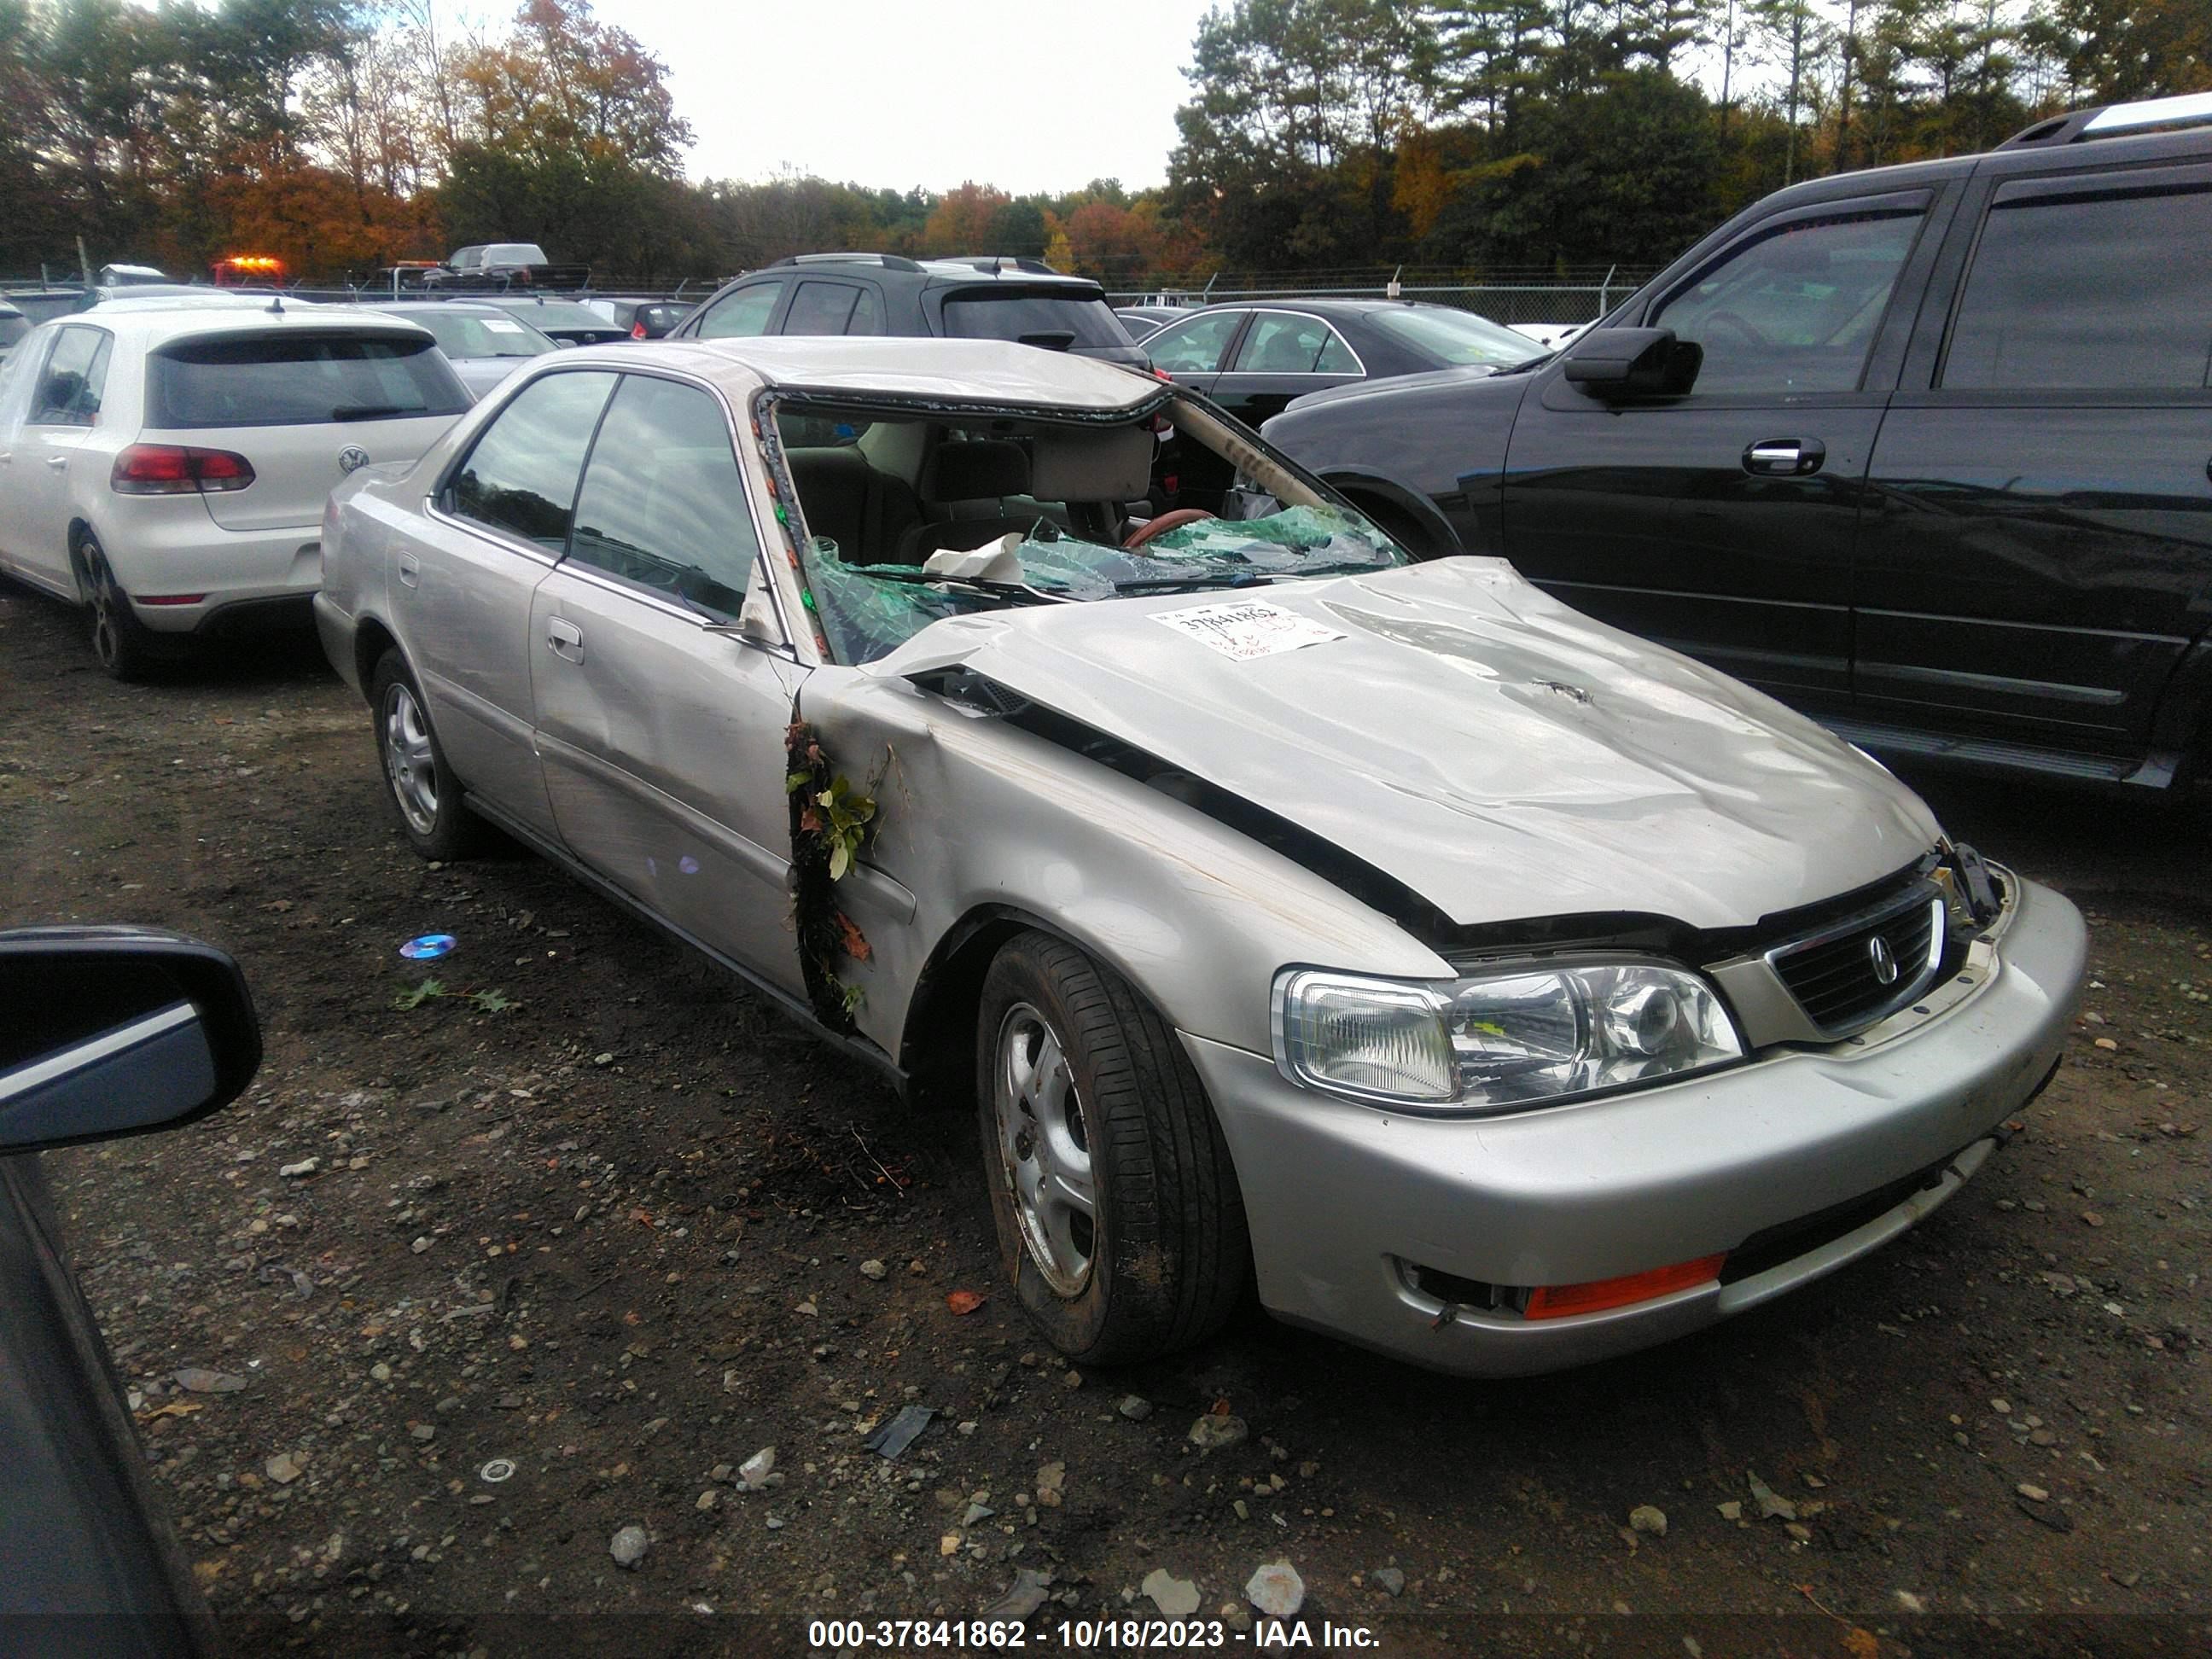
x: 1923, y: 451
x: 987, y: 298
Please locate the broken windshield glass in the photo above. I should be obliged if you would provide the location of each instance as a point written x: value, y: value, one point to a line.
x: 868, y: 611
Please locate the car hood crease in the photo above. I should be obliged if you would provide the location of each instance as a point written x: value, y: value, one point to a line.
x: 1494, y: 751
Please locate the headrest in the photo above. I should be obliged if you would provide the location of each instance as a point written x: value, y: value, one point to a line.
x: 1114, y: 465
x: 812, y: 466
x: 976, y: 469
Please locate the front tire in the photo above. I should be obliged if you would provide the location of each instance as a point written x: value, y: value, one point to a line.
x: 123, y: 644
x: 1120, y: 1223
x: 423, y: 791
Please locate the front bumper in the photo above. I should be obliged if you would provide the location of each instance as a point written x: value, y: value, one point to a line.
x: 1346, y: 1201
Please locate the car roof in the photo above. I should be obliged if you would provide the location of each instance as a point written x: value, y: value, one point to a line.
x: 997, y: 373
x: 154, y: 323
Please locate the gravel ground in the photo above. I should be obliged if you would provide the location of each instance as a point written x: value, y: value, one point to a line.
x: 470, y: 1284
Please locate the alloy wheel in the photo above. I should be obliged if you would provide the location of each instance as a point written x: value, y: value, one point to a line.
x: 408, y: 761
x: 1044, y: 1150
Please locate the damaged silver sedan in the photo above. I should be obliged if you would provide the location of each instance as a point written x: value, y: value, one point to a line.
x: 1484, y: 985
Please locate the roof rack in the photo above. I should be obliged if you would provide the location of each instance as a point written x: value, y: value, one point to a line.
x: 888, y: 261
x: 2111, y: 120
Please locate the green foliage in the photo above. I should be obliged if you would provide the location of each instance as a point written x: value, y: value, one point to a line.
x: 493, y: 1001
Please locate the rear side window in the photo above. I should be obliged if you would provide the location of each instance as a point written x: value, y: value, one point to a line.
x: 297, y: 379
x: 76, y: 374
x: 663, y: 504
x: 521, y: 477
x: 1033, y: 318
x: 2083, y: 291
x: 744, y: 312
x: 14, y: 326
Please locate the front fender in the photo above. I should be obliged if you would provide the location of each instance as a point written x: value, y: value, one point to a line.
x: 978, y: 818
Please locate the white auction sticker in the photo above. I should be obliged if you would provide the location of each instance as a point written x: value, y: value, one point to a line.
x: 1245, y: 628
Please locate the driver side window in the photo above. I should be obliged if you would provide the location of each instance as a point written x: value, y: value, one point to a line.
x: 1795, y: 310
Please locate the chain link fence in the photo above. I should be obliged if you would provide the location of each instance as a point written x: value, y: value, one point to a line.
x: 1580, y: 296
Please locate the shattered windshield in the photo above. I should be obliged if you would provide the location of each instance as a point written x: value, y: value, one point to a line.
x: 907, y: 521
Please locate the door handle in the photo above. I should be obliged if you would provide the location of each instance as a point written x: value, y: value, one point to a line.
x: 1784, y: 458
x: 411, y: 570
x: 60, y: 463
x: 564, y: 640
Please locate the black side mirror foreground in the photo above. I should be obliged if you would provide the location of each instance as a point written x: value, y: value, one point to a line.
x: 1618, y: 365
x: 110, y: 1031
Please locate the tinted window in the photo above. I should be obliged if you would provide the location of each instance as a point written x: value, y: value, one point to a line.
x: 864, y: 319
x: 521, y: 475
x: 821, y: 308
x: 1046, y: 319
x: 76, y: 374
x: 295, y: 379
x: 1196, y: 347
x: 472, y: 334
x: 1796, y: 310
x: 14, y: 326
x: 2089, y: 291
x: 1452, y: 338
x: 663, y: 503
x: 1287, y: 343
x: 744, y: 312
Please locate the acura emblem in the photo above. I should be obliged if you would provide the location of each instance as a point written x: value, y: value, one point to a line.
x: 1884, y: 963
x: 352, y: 459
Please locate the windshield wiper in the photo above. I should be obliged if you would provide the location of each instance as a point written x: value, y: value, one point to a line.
x: 367, y: 412
x: 980, y: 584
x: 1224, y: 579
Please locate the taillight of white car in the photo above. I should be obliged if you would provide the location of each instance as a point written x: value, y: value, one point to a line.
x: 175, y: 470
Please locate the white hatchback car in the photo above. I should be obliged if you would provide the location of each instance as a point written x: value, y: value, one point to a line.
x: 166, y: 465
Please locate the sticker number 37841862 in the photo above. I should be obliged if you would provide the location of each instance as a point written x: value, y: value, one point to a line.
x: 1245, y: 628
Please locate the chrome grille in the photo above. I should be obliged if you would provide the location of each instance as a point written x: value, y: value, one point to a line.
x: 1837, y: 973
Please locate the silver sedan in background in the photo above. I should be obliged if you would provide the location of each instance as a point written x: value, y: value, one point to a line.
x: 1486, y: 985
x: 484, y: 344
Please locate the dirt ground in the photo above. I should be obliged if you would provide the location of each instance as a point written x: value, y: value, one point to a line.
x: 504, y: 1271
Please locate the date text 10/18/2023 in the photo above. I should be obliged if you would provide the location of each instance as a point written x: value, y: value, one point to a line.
x: 1082, y: 1635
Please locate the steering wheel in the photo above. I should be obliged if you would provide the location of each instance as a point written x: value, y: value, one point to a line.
x: 1166, y: 521
x: 1729, y: 320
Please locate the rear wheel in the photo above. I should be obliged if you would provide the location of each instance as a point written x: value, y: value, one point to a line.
x: 123, y: 644
x: 1119, y: 1220
x: 423, y: 789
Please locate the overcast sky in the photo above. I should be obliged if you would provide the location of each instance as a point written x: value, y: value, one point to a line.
x: 1026, y: 95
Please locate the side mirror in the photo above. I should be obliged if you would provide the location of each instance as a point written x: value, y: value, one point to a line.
x: 1620, y: 365
x: 115, y: 1030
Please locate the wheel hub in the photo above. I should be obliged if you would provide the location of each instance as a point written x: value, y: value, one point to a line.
x: 1044, y: 1150
x: 408, y: 762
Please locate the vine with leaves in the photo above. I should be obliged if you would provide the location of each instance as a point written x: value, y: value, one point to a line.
x: 832, y: 819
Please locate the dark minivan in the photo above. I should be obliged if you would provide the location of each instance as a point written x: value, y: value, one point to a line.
x: 1923, y: 451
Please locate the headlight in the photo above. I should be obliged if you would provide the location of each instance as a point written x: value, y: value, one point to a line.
x: 1492, y: 1042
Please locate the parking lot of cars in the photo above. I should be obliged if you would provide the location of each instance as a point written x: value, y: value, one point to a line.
x: 1034, y: 882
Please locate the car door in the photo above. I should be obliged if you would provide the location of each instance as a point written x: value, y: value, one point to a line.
x: 2037, y: 553
x: 1193, y: 353
x: 1721, y: 522
x: 49, y: 457
x: 1283, y: 354
x: 660, y: 727
x: 462, y: 585
x: 19, y: 381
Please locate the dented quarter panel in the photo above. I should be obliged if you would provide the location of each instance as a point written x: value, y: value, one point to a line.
x: 1499, y: 753
x: 976, y: 815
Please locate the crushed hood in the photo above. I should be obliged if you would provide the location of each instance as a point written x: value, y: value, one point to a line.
x: 1498, y: 753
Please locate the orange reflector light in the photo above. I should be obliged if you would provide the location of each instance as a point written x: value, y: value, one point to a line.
x: 171, y: 598
x: 1557, y: 1301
